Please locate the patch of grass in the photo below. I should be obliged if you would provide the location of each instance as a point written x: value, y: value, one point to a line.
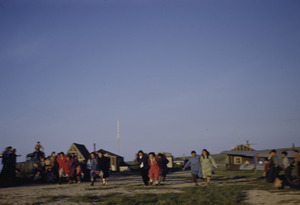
x: 51, y: 198
x: 261, y: 185
x: 293, y: 201
x: 89, y: 198
x: 212, y: 194
x: 223, y: 173
x: 52, y: 188
x: 143, y: 187
x: 102, y: 187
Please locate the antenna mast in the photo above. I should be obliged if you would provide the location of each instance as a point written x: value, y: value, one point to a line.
x: 118, y: 137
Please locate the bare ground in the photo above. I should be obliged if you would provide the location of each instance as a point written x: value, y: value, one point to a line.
x: 130, y: 185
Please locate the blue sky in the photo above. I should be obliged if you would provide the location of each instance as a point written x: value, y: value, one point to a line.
x: 179, y: 75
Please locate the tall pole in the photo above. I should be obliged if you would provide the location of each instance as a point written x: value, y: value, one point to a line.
x: 118, y: 136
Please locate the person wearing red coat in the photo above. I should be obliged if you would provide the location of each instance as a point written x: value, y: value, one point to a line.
x: 154, y: 168
x: 63, y: 169
x: 71, y: 168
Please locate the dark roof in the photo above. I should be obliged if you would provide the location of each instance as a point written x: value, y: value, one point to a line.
x: 107, y: 152
x: 262, y: 153
x: 82, y: 149
x: 242, y: 148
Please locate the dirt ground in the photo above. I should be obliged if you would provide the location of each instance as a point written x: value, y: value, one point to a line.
x: 128, y: 185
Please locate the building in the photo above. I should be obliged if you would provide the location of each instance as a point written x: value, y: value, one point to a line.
x: 116, y: 162
x: 242, y: 157
x: 81, y: 152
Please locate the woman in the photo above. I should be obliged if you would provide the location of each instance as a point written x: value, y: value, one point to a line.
x: 207, y: 163
x: 77, y: 168
x: 163, y: 166
x: 154, y: 168
x: 194, y: 163
x: 142, y: 160
x: 71, y: 168
x: 103, y: 165
x: 94, y: 168
x: 62, y: 168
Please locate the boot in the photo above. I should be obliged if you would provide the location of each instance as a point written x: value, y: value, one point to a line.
x: 92, y: 181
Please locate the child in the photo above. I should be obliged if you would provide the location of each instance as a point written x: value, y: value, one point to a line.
x: 267, y: 168
x: 94, y: 168
x: 154, y: 168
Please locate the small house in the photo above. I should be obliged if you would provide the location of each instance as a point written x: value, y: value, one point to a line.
x: 243, y: 156
x: 80, y: 151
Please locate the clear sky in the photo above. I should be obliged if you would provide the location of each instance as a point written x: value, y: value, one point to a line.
x: 180, y: 75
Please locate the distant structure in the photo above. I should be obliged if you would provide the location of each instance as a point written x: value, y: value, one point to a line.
x: 118, y: 137
x: 116, y: 161
x: 243, y: 155
x: 243, y: 148
x: 81, y: 152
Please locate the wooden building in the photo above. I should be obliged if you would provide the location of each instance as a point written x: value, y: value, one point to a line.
x: 81, y: 152
x: 242, y: 156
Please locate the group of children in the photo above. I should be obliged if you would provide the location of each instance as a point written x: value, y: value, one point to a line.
x: 201, y: 166
x: 99, y: 167
x: 153, y: 167
x: 279, y: 170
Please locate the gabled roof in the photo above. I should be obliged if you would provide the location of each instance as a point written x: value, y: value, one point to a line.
x: 242, y: 148
x: 109, y: 153
x: 82, y: 149
x: 262, y: 153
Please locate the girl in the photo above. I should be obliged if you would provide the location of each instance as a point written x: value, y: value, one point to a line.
x: 207, y: 163
x: 62, y: 168
x: 71, y: 168
x: 154, y: 168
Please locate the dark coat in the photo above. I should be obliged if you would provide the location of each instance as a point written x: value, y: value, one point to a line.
x: 143, y: 160
x: 104, y: 165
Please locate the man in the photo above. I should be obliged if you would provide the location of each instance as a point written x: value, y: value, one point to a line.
x: 38, y: 146
x: 274, y: 166
x: 103, y: 166
x: 142, y: 160
x: 285, y: 164
x: 196, y: 169
x: 6, y: 161
x: 255, y: 161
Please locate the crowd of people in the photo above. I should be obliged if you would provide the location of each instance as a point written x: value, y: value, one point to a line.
x: 60, y: 168
x: 153, y: 168
x: 279, y: 171
x: 51, y: 169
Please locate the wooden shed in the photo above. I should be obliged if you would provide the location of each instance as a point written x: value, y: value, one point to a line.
x: 236, y: 158
x: 81, y: 152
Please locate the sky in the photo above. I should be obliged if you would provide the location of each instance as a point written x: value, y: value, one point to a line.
x: 179, y: 75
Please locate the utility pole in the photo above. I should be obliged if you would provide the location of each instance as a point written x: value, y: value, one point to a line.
x: 118, y: 137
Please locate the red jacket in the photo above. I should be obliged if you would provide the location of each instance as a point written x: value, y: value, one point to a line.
x: 62, y: 164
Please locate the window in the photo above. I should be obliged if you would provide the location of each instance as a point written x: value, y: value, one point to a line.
x: 237, y: 160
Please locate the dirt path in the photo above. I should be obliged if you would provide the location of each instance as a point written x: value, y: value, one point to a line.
x: 268, y: 198
x: 126, y: 185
